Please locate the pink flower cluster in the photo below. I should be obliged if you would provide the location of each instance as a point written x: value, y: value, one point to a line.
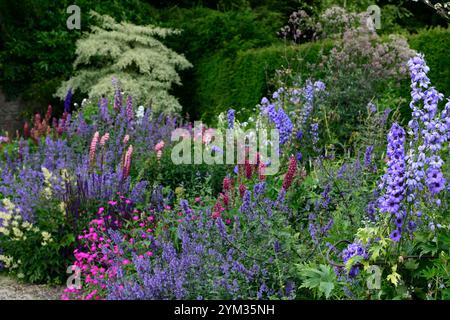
x: 99, y: 256
x: 93, y: 147
x: 158, y: 149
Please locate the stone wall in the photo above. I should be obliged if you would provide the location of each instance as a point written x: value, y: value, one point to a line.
x: 9, y: 114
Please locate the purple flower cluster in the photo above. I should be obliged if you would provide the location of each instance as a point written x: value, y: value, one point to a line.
x: 67, y: 101
x: 290, y: 99
x: 394, y: 179
x: 75, y: 179
x: 429, y: 132
x: 368, y: 157
x: 352, y: 250
x: 198, y: 264
x: 279, y: 117
x: 309, y: 94
x: 230, y: 118
x: 416, y: 175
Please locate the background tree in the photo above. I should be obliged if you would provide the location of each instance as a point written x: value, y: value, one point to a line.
x: 133, y: 54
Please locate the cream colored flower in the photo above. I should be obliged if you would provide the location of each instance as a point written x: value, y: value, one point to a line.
x: 9, y: 206
x: 62, y: 208
x: 17, y: 233
x: 4, y: 231
x: 46, y: 238
x: 7, y: 261
x: 27, y: 226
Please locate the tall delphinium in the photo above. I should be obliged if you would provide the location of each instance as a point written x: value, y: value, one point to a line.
x: 412, y: 194
x: 68, y: 101
x: 428, y: 132
x: 278, y: 116
x: 230, y: 118
x: 415, y: 178
x: 394, y: 181
x: 292, y: 110
x: 309, y: 93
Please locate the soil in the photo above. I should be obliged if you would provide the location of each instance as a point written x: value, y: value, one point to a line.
x: 11, y: 289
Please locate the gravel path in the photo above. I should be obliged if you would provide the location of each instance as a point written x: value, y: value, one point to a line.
x: 10, y: 289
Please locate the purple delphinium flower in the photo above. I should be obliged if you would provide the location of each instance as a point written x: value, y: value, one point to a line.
x: 394, y: 179
x: 230, y: 118
x: 309, y: 94
x: 435, y: 180
x: 428, y: 131
x: 68, y: 100
x: 352, y: 250
x: 315, y: 136
x: 278, y: 116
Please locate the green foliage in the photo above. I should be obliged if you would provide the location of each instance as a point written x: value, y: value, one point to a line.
x: 321, y: 279
x: 206, y: 31
x: 240, y: 82
x: 189, y: 177
x: 133, y: 54
x: 39, y: 252
x: 210, y: 34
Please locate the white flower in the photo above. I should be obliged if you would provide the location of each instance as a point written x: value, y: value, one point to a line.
x: 140, y: 112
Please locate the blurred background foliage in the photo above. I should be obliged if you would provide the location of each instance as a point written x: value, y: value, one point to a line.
x: 232, y: 44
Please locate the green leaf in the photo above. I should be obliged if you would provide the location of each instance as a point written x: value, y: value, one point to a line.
x: 411, y: 264
x: 321, y: 279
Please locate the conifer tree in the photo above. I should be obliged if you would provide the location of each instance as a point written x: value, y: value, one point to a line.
x: 145, y: 67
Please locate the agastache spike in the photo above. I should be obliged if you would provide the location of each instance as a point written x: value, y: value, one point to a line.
x: 289, y: 177
x: 127, y: 162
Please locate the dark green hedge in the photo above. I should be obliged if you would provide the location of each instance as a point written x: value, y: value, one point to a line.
x: 240, y: 82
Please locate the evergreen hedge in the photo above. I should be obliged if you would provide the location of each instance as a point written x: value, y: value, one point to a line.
x: 241, y: 81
